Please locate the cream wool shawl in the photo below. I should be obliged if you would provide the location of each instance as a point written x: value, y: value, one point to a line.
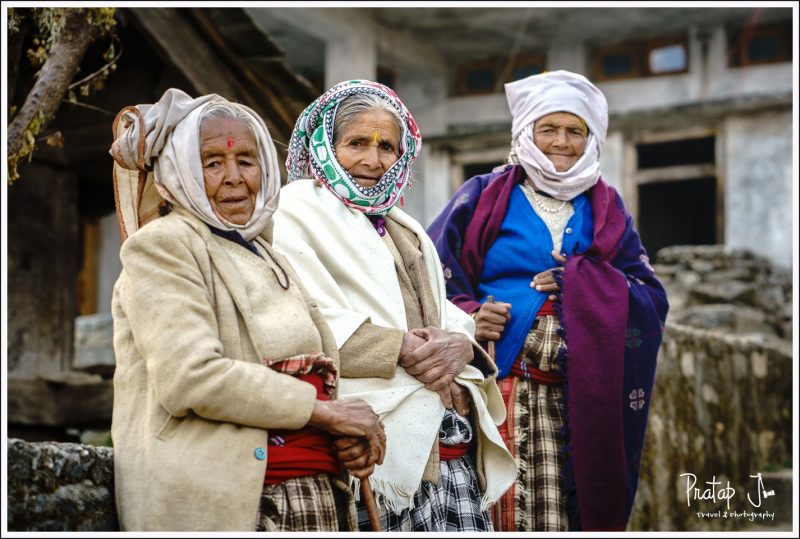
x: 167, y: 136
x: 350, y: 272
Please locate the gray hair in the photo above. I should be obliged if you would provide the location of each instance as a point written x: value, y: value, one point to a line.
x: 354, y: 105
x: 225, y: 109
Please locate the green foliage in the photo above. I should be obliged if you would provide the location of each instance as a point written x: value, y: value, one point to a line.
x: 776, y: 467
x: 103, y: 18
x: 49, y: 24
x: 14, y: 21
x: 102, y: 439
x: 28, y: 145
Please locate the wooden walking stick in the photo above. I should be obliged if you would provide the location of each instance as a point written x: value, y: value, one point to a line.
x: 497, y: 511
x: 372, y: 508
x: 490, y: 343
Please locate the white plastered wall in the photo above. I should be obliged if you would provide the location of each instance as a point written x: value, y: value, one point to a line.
x: 758, y: 184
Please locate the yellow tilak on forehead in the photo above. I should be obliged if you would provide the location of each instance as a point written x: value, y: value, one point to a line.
x: 375, y: 136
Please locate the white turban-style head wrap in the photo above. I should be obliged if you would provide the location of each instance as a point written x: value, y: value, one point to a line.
x: 557, y: 91
x: 165, y: 137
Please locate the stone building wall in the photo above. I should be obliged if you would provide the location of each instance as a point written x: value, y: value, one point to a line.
x: 758, y: 185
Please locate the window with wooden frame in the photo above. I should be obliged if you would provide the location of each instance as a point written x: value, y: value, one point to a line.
x: 666, y: 56
x: 641, y: 58
x: 754, y: 45
x: 478, y: 77
x: 616, y: 62
x: 488, y: 76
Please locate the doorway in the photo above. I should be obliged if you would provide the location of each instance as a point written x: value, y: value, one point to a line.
x: 677, y: 213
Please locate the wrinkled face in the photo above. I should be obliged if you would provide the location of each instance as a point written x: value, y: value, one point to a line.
x: 561, y: 137
x: 368, y: 146
x: 230, y: 168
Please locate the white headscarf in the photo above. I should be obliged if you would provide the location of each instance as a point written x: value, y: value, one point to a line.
x: 167, y: 134
x: 557, y: 91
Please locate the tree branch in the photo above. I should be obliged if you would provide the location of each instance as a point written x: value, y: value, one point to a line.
x: 106, y: 66
x: 44, y: 99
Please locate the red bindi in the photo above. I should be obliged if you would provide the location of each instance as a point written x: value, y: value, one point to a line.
x: 231, y: 142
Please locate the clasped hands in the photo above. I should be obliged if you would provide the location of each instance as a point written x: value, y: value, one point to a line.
x: 435, y: 357
x: 360, y: 441
x: 431, y: 355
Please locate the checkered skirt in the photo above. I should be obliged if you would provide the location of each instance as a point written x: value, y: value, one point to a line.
x: 314, y: 503
x: 536, y: 414
x: 451, y: 505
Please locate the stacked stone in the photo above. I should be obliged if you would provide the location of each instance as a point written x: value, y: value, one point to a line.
x: 720, y: 288
x: 722, y: 403
x: 60, y: 487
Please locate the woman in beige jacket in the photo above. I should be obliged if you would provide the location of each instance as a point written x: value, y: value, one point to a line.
x: 224, y: 363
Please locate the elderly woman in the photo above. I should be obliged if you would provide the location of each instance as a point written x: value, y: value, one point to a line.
x: 579, y: 313
x: 377, y: 279
x: 224, y: 417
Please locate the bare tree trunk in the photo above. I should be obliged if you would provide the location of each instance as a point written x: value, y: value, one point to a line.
x: 54, y: 78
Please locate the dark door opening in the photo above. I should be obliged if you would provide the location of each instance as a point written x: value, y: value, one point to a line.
x: 693, y: 151
x: 476, y: 169
x: 678, y: 212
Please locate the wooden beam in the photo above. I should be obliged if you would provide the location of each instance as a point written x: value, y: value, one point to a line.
x: 87, y: 276
x: 263, y: 97
x: 77, y: 401
x: 678, y: 172
x: 184, y: 47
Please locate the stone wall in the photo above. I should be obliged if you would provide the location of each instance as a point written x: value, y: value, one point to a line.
x: 731, y: 290
x: 722, y: 410
x: 722, y: 405
x: 60, y: 487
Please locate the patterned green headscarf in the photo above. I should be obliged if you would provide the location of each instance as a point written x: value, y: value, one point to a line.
x: 311, y: 152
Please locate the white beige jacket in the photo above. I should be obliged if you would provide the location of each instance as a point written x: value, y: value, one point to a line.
x: 193, y: 315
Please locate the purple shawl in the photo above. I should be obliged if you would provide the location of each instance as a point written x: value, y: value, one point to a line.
x: 612, y: 311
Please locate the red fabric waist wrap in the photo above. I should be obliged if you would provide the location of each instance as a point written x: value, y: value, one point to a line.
x: 529, y: 372
x: 546, y: 309
x: 298, y: 453
x: 451, y: 452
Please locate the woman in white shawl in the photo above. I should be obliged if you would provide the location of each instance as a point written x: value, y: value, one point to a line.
x: 403, y: 347
x: 224, y: 363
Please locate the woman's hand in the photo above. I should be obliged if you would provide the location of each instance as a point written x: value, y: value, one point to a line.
x: 353, y: 418
x: 410, y: 343
x: 491, y: 320
x: 356, y: 455
x: 439, y: 359
x: 545, y: 281
x: 455, y: 397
